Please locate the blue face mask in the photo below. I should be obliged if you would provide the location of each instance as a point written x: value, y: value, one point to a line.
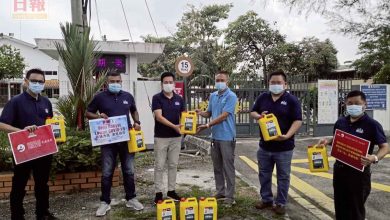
x: 36, y: 87
x: 276, y: 89
x: 114, y: 87
x: 355, y: 110
x: 220, y: 86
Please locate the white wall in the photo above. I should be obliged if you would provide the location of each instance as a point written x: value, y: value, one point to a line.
x: 34, y: 58
x: 383, y: 116
x: 143, y: 90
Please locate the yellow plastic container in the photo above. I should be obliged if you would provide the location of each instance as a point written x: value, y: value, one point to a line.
x: 58, y: 126
x: 136, y: 142
x: 166, y: 210
x: 318, y: 158
x: 208, y: 209
x: 269, y: 127
x: 188, y: 122
x: 189, y: 209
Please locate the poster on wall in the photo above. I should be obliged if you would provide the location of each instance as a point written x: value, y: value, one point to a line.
x: 327, y: 101
x: 376, y: 96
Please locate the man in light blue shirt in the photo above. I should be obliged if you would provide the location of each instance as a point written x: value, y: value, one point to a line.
x: 221, y: 109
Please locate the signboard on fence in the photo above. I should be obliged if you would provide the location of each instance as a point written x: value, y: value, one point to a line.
x: 179, y: 88
x: 348, y: 149
x: 28, y: 146
x: 376, y: 96
x: 109, y: 131
x: 327, y: 101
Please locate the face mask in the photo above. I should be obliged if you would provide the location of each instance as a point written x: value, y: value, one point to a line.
x: 114, y: 87
x: 354, y: 110
x: 168, y: 88
x: 35, y: 87
x: 220, y: 86
x: 276, y: 89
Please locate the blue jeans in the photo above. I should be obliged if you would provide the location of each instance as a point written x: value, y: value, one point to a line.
x: 109, y: 155
x: 266, y: 161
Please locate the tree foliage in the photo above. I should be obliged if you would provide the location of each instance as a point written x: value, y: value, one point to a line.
x: 11, y: 62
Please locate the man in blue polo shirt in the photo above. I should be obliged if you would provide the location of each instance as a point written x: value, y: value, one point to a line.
x: 116, y: 102
x: 287, y: 110
x: 27, y: 111
x: 221, y: 109
x: 352, y: 187
x: 167, y: 107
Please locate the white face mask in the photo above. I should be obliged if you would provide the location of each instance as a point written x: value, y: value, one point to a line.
x: 276, y: 89
x: 168, y: 88
x: 355, y: 110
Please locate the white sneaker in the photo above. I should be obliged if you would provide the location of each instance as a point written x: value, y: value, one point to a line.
x: 103, y: 209
x: 135, y: 204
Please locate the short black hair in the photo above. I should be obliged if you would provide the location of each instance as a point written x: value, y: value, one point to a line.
x: 278, y: 73
x: 355, y: 93
x: 113, y: 73
x: 166, y: 74
x: 35, y: 71
x: 223, y: 72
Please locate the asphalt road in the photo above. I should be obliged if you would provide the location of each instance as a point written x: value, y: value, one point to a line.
x: 311, y: 194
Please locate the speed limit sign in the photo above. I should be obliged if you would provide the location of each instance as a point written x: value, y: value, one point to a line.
x: 184, y: 66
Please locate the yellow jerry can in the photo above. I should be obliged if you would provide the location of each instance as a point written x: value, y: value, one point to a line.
x: 318, y: 158
x: 58, y: 126
x: 208, y: 209
x: 269, y: 127
x: 188, y: 209
x: 188, y: 122
x: 166, y: 210
x: 136, y: 142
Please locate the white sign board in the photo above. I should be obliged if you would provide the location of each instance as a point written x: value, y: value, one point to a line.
x: 109, y: 131
x: 328, y: 101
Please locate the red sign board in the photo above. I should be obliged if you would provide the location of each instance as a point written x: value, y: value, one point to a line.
x: 28, y: 146
x: 348, y: 148
x: 179, y: 88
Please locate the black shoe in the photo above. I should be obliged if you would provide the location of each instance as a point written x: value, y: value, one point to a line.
x: 173, y: 195
x: 159, y: 197
x: 47, y: 216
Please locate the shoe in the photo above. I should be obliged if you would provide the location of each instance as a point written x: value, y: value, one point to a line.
x: 159, y: 197
x: 135, y: 204
x: 263, y: 205
x: 47, y: 216
x: 280, y: 209
x: 229, y: 202
x: 219, y: 197
x: 103, y: 209
x: 173, y: 195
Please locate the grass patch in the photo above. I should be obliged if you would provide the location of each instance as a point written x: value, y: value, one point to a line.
x: 144, y: 159
x: 126, y: 214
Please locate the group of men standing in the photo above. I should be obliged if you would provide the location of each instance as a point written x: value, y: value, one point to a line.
x: 167, y: 107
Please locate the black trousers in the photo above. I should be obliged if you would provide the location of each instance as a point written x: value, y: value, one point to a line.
x: 351, y: 189
x: 40, y: 169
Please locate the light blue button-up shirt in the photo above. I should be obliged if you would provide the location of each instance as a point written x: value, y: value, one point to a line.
x: 219, y: 103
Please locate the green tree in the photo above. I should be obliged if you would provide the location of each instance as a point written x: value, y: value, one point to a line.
x: 79, y: 55
x: 383, y: 76
x: 11, y: 62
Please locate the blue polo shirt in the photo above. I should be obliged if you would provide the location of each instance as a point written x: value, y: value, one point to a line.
x: 366, y: 128
x: 113, y: 104
x: 219, y: 103
x: 171, y: 110
x: 24, y: 110
x: 287, y: 109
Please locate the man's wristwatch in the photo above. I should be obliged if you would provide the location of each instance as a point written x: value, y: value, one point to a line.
x: 376, y: 159
x: 138, y: 122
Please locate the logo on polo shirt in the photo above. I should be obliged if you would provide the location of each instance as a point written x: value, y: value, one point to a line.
x: 47, y: 111
x: 360, y: 130
x: 177, y: 103
x: 20, y: 148
x: 125, y: 102
x: 283, y: 103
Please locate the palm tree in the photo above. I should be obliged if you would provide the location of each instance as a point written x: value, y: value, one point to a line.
x: 79, y: 54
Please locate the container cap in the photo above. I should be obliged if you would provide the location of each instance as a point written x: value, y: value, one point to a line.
x: 202, y: 198
x: 183, y: 199
x: 159, y: 202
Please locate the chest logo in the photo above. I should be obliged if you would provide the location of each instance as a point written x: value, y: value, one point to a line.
x: 125, y: 102
x: 283, y: 103
x: 360, y: 130
x: 177, y: 103
x: 47, y: 111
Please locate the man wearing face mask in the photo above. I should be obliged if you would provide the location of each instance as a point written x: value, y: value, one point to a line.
x: 167, y: 107
x: 352, y: 187
x: 27, y: 111
x: 221, y: 109
x: 287, y: 110
x: 116, y: 102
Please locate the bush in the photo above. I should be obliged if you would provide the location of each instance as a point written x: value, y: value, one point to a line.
x: 5, y: 153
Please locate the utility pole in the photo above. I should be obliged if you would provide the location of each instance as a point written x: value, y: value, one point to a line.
x: 79, y: 12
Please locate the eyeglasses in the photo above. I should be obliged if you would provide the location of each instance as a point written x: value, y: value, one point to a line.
x: 37, y: 81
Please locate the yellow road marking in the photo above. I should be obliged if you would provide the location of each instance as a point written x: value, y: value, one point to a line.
x: 310, y: 191
x: 374, y: 185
